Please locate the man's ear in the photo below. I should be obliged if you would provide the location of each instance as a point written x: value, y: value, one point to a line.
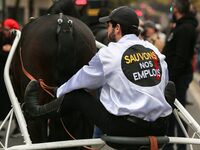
x: 118, y: 32
x: 118, y: 27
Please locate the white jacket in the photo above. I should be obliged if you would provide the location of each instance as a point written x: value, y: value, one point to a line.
x: 133, y: 76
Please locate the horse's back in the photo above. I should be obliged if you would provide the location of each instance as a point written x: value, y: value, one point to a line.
x: 62, y: 48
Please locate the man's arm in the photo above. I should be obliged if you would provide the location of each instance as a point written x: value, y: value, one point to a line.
x: 88, y: 77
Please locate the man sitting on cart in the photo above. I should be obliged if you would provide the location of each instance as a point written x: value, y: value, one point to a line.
x: 133, y: 75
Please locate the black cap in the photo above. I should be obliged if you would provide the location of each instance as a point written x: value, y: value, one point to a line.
x: 123, y: 15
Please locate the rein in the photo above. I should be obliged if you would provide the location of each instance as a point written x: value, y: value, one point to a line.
x: 44, y: 86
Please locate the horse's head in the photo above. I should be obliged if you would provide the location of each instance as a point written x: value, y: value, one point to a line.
x: 67, y: 7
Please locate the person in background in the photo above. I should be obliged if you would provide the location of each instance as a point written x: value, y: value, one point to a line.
x: 160, y: 33
x: 196, y: 59
x: 179, y: 51
x: 150, y: 33
x: 197, y: 48
x: 67, y: 7
x: 99, y: 29
x: 6, y: 37
x: 130, y: 104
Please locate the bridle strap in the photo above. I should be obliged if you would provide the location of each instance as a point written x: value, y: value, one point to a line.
x: 44, y: 86
x: 153, y: 143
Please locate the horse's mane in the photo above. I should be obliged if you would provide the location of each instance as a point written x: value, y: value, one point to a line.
x: 67, y: 7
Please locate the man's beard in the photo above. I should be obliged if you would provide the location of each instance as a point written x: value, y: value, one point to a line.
x: 111, y: 36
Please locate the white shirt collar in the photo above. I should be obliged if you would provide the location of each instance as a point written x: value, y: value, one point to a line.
x: 128, y: 37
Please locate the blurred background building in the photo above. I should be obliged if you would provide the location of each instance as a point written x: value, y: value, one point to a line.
x: 22, y: 10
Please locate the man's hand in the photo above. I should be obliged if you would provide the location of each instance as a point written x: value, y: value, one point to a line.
x: 6, y: 47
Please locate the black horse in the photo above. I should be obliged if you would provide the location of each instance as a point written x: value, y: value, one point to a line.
x: 53, y: 48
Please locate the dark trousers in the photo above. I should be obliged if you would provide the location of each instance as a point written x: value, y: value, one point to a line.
x: 93, y: 109
x: 182, y: 84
